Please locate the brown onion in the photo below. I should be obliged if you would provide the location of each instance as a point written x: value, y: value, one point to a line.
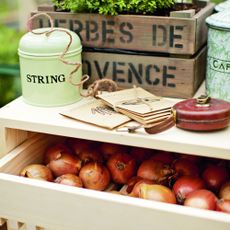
x: 122, y: 167
x: 78, y: 145
x: 136, y: 191
x: 203, y: 199
x: 64, y: 164
x: 54, y: 151
x: 69, y: 179
x: 214, y: 176
x: 90, y: 154
x: 108, y: 149
x: 37, y: 171
x: 141, y: 154
x: 153, y: 170
x: 95, y: 176
x: 225, y: 191
x: 157, y: 193
x: 163, y: 156
x: 223, y: 205
x: 185, y: 185
x: 185, y: 167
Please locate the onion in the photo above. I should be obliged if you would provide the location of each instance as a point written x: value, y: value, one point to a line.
x: 122, y: 167
x: 95, y: 176
x: 64, y: 164
x: 185, y: 185
x: 69, y: 179
x: 137, y: 187
x: 108, y: 149
x: 223, y: 205
x: 37, y: 171
x: 141, y: 154
x: 185, y: 167
x: 54, y: 151
x: 189, y: 157
x: 78, y: 145
x: 203, y: 199
x: 89, y: 154
x: 214, y: 176
x: 225, y: 191
x: 157, y: 193
x: 153, y: 170
x: 163, y: 156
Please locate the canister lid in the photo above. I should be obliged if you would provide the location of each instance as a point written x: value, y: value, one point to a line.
x: 223, y: 6
x: 54, y: 44
x: 220, y: 20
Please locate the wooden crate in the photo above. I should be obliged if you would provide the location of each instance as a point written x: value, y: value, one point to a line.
x: 162, y: 75
x: 177, y: 34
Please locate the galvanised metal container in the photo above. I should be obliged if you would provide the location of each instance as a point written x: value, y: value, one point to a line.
x: 223, y: 6
x: 45, y: 78
x: 218, y: 60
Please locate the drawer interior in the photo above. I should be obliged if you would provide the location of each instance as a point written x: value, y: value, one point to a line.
x: 63, y: 207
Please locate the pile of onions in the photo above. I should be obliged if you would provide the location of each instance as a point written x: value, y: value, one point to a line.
x: 143, y: 173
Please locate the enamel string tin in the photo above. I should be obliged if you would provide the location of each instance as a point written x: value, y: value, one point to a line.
x: 50, y: 65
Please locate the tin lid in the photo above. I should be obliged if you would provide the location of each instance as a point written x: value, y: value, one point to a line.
x: 211, y: 110
x: 220, y: 20
x: 222, y: 6
x: 54, y: 44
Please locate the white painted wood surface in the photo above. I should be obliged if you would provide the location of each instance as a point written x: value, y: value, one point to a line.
x: 21, y: 116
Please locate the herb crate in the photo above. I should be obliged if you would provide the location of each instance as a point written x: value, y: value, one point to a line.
x: 177, y: 77
x: 182, y: 33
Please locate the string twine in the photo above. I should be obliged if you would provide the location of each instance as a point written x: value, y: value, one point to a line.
x: 95, y: 88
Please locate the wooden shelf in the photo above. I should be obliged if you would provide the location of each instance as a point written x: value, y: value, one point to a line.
x: 20, y: 116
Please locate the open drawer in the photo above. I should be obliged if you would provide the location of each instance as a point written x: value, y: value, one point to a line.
x: 59, y: 207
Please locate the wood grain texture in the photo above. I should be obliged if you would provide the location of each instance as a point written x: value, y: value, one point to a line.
x: 134, y: 32
x: 163, y: 76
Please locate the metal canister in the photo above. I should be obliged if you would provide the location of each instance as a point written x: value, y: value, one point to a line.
x: 218, y: 60
x: 44, y: 76
x: 223, y: 6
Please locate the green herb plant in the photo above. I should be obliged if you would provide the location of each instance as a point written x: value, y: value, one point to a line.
x: 114, y: 7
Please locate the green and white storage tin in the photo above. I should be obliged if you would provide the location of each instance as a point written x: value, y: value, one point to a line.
x: 223, y: 6
x: 45, y: 78
x: 218, y: 60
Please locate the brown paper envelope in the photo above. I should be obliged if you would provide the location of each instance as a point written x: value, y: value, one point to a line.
x: 96, y: 113
x: 136, y: 100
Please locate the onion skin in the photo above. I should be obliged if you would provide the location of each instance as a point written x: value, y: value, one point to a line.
x: 157, y: 193
x: 153, y: 170
x: 78, y: 145
x: 54, y: 151
x: 136, y: 191
x: 109, y: 149
x: 163, y: 156
x: 95, y: 176
x: 69, y: 179
x: 225, y: 191
x: 88, y: 155
x: 185, y: 185
x: 141, y: 154
x: 37, y: 171
x: 122, y: 167
x: 202, y: 199
x: 214, y: 176
x: 185, y: 167
x: 64, y: 164
x: 223, y: 205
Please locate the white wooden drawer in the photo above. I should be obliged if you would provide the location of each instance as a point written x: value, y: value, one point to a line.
x: 59, y: 207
